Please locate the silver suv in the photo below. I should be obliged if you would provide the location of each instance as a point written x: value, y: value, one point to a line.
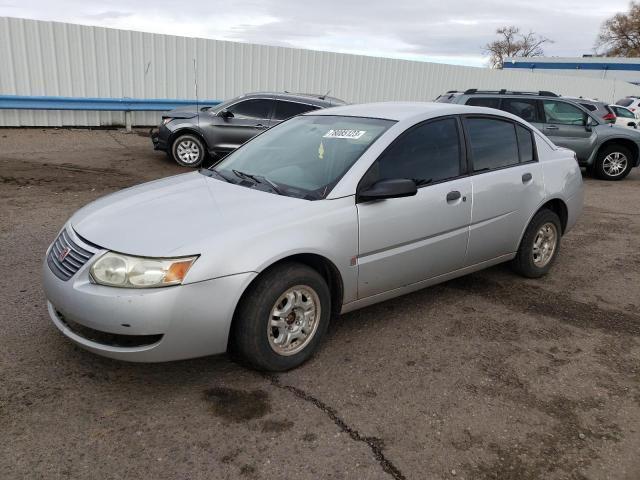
x: 608, y: 151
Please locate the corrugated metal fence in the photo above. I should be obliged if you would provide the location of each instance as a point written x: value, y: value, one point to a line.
x: 59, y: 59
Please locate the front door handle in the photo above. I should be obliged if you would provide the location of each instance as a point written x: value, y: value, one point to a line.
x: 552, y: 127
x: 261, y: 126
x: 453, y: 196
x: 527, y: 177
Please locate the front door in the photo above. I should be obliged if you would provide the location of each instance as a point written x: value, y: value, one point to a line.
x: 406, y: 240
x: 565, y: 125
x: 250, y: 117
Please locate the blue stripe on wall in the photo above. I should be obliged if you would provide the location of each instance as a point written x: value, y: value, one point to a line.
x: 573, y: 66
x: 97, y: 104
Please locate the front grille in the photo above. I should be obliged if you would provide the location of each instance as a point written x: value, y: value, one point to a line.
x: 66, y: 256
x: 109, y: 339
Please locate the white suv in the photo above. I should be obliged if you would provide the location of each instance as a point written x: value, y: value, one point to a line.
x: 632, y: 103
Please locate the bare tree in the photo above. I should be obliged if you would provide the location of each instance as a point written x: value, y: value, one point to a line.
x: 620, y: 34
x: 512, y: 43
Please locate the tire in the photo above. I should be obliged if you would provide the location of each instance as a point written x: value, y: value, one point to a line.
x: 532, y: 262
x: 613, y: 163
x: 253, y: 342
x: 188, y: 150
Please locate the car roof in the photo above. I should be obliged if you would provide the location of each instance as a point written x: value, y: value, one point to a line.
x: 400, y: 111
x: 309, y: 98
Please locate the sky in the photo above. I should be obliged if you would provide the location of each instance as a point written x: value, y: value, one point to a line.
x: 426, y: 30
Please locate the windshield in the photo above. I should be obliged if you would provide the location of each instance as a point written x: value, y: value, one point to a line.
x: 303, y: 157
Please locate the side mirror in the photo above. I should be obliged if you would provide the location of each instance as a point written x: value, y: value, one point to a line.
x: 390, y: 188
x: 588, y: 123
x: 632, y: 124
x: 225, y: 114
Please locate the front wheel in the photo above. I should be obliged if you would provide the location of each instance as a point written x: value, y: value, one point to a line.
x: 282, y: 318
x: 540, y: 245
x: 188, y: 150
x: 613, y: 163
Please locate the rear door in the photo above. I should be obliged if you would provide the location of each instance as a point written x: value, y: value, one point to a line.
x: 565, y: 125
x: 285, y: 109
x: 507, y: 184
x: 250, y: 117
x: 405, y: 240
x: 528, y: 109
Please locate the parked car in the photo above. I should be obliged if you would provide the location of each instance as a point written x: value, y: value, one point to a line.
x: 632, y: 103
x: 597, y: 108
x: 625, y: 117
x: 325, y: 213
x: 189, y: 134
x: 605, y: 150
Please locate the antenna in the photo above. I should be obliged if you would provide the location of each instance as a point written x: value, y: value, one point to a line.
x: 195, y: 85
x: 325, y: 95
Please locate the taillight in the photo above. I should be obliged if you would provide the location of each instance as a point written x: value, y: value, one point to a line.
x: 609, y: 117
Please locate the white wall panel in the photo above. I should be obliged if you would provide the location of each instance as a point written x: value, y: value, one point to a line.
x: 59, y: 59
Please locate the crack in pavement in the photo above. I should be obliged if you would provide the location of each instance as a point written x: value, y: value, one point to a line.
x: 375, y: 444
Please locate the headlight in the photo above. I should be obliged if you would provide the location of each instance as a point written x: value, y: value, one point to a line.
x: 166, y: 120
x: 117, y: 270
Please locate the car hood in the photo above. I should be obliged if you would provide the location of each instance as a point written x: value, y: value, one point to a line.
x: 188, y: 111
x: 178, y: 215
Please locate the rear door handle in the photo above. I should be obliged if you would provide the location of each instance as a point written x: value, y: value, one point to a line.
x: 527, y: 177
x: 259, y: 125
x: 552, y: 127
x: 453, y: 196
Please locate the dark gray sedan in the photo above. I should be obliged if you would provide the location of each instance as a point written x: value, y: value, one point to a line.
x: 190, y: 134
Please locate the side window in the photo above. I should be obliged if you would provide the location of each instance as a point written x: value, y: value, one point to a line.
x: 254, y: 108
x: 562, y: 113
x: 524, y: 108
x: 493, y: 143
x: 286, y: 110
x: 484, y: 102
x: 525, y: 144
x: 621, y: 112
x: 427, y: 153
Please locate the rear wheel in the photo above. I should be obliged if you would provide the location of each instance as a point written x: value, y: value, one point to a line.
x: 188, y: 150
x: 540, y: 245
x: 282, y: 318
x: 613, y: 163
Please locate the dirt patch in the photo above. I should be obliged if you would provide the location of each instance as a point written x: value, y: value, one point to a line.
x: 534, y: 300
x: 238, y: 405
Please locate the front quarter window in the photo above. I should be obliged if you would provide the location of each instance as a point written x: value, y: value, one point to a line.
x: 304, y: 157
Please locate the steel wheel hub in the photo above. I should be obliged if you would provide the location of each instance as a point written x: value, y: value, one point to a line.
x: 544, y: 244
x: 614, y: 164
x: 188, y: 151
x: 294, y: 320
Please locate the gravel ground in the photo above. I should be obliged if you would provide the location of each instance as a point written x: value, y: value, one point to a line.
x: 490, y: 376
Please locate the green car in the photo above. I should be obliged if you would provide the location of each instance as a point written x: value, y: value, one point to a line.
x: 606, y: 150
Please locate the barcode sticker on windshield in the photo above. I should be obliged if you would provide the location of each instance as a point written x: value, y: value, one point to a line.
x: 345, y: 133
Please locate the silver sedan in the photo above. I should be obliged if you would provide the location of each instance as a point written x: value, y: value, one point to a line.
x: 323, y: 214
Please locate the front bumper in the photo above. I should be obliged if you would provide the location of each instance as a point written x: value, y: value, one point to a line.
x: 160, y: 137
x: 144, y: 325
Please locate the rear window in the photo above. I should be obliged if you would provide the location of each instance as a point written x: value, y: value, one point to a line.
x: 624, y: 102
x: 484, y: 102
x: 525, y: 144
x: 493, y: 143
x: 286, y: 110
x: 524, y: 108
x: 590, y: 107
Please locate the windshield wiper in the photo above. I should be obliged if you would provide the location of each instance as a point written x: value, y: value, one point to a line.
x: 210, y: 172
x: 259, y: 179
